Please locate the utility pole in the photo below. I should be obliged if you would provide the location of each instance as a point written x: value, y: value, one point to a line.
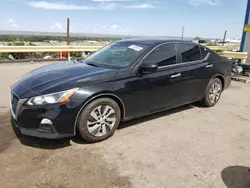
x: 182, y: 33
x: 68, y: 39
x: 224, y: 39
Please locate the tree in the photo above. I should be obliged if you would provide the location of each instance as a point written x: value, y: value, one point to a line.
x: 197, y: 38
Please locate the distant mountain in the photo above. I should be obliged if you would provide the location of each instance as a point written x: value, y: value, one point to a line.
x: 37, y: 33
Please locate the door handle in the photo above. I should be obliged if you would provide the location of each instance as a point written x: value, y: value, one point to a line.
x: 176, y: 75
x: 209, y: 66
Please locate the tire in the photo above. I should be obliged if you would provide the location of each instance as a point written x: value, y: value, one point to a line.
x: 92, y: 124
x: 207, y: 100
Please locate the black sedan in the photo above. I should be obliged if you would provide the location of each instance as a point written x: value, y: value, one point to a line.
x: 124, y: 80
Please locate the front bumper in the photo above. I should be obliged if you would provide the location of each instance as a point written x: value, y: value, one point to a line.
x: 30, y: 119
x: 39, y: 133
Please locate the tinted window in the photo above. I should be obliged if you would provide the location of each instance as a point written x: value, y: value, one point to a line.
x: 189, y: 52
x: 163, y: 55
x: 213, y: 55
x: 204, y: 52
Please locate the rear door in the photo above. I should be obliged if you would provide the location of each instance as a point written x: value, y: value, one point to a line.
x: 196, y: 71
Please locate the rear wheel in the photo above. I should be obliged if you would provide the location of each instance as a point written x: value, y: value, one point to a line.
x: 99, y: 120
x: 213, y: 93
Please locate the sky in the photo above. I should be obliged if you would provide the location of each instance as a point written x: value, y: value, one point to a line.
x: 203, y: 18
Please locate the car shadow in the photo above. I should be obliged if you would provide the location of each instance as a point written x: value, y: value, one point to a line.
x: 61, y: 143
x: 40, y: 143
x: 236, y: 177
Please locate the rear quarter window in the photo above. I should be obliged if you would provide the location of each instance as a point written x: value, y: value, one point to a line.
x: 213, y: 55
x: 204, y: 52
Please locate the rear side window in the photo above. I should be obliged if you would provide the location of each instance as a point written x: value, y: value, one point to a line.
x: 213, y: 55
x: 189, y: 52
x: 204, y: 52
x: 163, y: 55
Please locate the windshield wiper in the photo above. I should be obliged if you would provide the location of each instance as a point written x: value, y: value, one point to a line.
x: 92, y: 64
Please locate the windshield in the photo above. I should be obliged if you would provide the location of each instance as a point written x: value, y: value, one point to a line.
x: 117, y: 55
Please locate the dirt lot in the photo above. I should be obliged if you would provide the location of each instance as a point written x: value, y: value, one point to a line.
x: 188, y: 147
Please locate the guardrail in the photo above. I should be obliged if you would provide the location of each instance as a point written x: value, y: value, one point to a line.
x: 236, y: 55
x: 224, y: 48
x: 20, y: 49
x: 216, y: 47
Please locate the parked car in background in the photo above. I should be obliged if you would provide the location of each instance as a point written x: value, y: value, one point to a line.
x: 122, y: 81
x: 202, y: 42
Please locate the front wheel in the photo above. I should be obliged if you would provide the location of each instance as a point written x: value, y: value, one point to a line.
x: 99, y: 120
x: 213, y: 93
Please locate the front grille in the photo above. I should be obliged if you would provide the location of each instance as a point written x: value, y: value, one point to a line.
x: 14, y: 102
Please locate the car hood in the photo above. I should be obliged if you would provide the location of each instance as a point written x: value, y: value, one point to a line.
x: 60, y: 76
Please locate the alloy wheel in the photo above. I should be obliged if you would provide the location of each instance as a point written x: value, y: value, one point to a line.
x: 101, y: 120
x: 214, y: 93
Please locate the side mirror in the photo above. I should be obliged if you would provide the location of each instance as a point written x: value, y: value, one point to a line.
x: 148, y: 68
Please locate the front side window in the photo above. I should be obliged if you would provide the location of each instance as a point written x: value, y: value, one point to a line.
x: 189, y: 52
x: 117, y: 55
x: 163, y: 55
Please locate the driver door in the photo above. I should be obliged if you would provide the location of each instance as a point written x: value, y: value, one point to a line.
x: 155, y: 91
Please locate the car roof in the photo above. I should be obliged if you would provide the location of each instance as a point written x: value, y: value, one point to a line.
x: 153, y: 41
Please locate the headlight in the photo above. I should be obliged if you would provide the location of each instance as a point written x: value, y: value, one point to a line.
x: 52, y: 98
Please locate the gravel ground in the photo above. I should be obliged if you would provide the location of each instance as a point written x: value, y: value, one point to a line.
x: 187, y: 147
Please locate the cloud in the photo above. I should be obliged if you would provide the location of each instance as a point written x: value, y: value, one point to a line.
x: 111, y: 28
x: 153, y: 1
x: 102, y: 5
x: 64, y: 6
x: 56, y: 26
x: 96, y: 30
x: 56, y: 6
x: 199, y: 2
x: 117, y: 29
x: 141, y: 6
x: 111, y: 0
x: 12, y: 23
x: 107, y: 6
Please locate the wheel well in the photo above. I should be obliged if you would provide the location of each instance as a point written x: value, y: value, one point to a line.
x: 111, y: 96
x: 221, y: 79
x: 116, y: 99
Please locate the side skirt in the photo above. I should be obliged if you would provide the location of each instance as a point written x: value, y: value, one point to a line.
x: 157, y: 111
